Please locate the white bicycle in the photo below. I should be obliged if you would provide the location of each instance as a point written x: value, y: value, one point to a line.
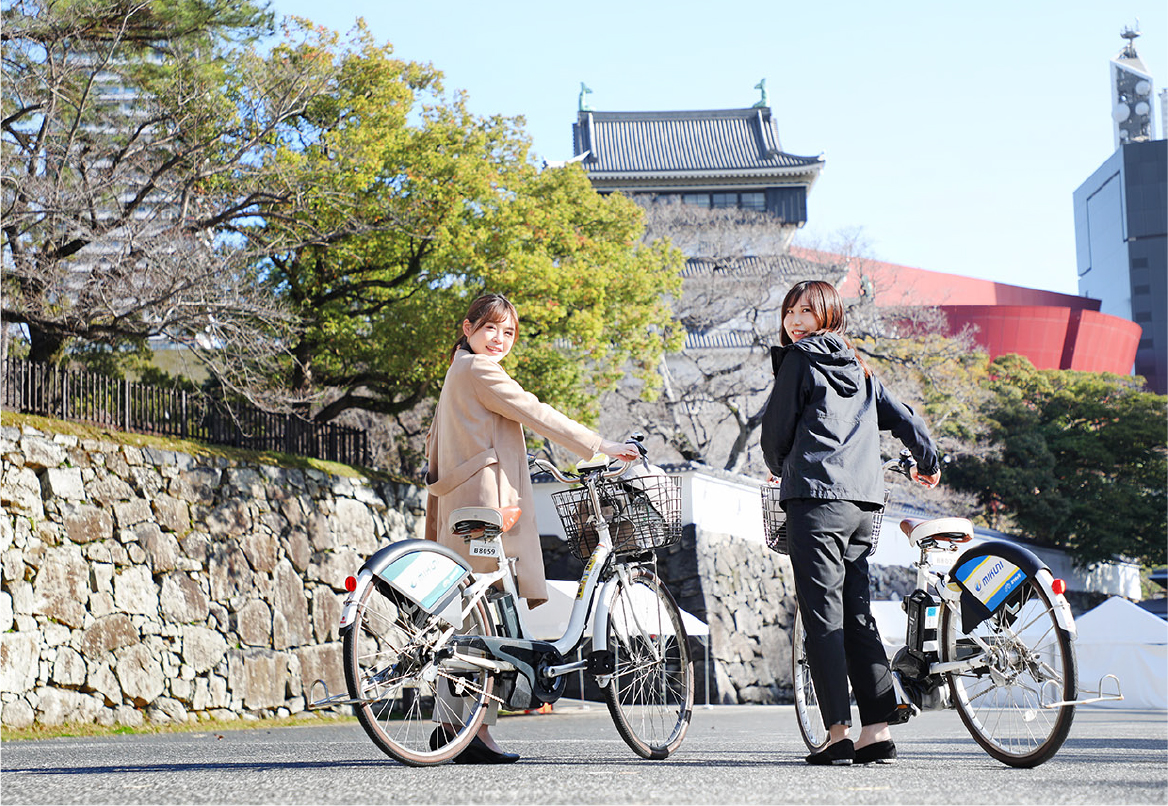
x: 422, y: 633
x: 992, y: 637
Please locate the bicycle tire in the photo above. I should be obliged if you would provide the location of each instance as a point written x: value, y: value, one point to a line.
x: 389, y: 662
x: 807, y: 711
x: 650, y: 693
x: 1032, y: 661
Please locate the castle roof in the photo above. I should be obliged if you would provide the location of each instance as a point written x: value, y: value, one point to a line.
x: 706, y: 143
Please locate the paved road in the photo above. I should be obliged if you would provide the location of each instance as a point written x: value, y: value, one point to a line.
x: 733, y: 754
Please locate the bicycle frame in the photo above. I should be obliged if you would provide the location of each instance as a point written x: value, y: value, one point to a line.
x: 588, y: 593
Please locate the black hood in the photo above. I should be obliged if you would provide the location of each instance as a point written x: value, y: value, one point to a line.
x: 833, y: 359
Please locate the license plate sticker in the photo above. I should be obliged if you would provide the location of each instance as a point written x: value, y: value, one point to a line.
x: 425, y: 576
x: 484, y: 548
x: 990, y: 579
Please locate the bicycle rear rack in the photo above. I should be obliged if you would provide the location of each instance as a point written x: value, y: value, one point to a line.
x: 1099, y: 695
x: 330, y: 701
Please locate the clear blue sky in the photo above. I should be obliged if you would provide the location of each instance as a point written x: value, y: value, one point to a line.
x: 954, y: 133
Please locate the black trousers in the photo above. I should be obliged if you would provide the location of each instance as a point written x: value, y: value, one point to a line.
x: 829, y: 542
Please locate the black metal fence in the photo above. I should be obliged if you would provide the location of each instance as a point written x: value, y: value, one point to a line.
x: 47, y: 390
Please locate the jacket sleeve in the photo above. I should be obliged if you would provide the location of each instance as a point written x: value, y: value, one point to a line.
x: 503, y: 395
x: 783, y: 409
x: 908, y: 427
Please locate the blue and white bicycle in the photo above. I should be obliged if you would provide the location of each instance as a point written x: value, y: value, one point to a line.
x: 992, y: 637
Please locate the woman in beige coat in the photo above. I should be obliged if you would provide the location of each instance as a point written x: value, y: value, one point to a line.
x: 478, y: 456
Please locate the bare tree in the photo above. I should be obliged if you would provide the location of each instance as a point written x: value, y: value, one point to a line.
x: 129, y: 140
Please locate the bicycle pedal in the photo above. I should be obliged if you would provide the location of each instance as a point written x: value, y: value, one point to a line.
x: 601, y: 662
x: 903, y: 713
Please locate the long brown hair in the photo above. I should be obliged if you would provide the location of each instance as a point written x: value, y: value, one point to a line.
x: 487, y: 308
x: 829, y: 311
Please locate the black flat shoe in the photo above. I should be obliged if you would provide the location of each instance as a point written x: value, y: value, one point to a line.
x: 877, y: 753
x: 839, y: 754
x: 478, y: 753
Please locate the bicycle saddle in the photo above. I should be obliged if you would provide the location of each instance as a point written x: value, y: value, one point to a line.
x: 952, y: 530
x: 465, y: 520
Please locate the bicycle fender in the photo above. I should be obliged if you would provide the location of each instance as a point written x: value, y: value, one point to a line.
x: 426, y: 572
x: 988, y: 573
x: 600, y: 617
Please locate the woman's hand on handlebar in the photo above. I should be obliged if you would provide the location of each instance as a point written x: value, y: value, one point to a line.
x: 620, y: 450
x: 929, y: 481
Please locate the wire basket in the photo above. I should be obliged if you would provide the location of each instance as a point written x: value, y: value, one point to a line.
x: 774, y: 519
x: 642, y: 512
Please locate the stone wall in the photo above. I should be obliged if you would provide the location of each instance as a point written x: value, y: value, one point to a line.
x: 147, y: 584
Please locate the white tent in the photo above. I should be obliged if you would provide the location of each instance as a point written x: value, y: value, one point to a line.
x: 1123, y: 639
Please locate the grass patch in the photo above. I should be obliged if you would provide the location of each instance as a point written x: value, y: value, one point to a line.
x: 78, y: 731
x: 192, y: 447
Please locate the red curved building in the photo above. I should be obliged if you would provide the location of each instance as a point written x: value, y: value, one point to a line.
x: 1053, y: 330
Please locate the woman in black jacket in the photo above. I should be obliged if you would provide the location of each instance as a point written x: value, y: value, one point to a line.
x: 820, y: 436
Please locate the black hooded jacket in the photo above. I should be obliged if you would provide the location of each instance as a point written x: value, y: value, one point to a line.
x: 820, y: 430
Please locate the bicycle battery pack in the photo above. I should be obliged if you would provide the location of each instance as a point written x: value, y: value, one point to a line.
x: 924, y: 614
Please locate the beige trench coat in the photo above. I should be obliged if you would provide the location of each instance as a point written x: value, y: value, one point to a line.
x: 478, y: 457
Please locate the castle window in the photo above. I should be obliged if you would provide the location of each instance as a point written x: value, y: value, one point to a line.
x: 752, y: 201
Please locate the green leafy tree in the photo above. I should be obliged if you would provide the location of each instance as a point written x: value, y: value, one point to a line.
x: 1075, y: 460
x: 412, y: 207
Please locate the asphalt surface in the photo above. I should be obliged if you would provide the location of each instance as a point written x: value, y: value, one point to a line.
x: 733, y: 754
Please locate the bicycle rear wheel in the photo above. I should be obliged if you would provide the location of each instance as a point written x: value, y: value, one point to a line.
x: 807, y: 712
x: 390, y: 665
x: 650, y: 694
x: 1030, y: 663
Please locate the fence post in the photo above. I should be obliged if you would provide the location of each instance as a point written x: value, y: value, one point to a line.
x: 65, y: 412
x: 126, y: 404
x: 183, y: 413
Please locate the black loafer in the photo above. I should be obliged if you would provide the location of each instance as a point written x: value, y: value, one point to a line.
x: 478, y: 753
x: 877, y: 753
x: 838, y: 754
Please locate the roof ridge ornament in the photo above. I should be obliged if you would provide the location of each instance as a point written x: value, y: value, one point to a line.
x: 762, y: 103
x: 584, y: 107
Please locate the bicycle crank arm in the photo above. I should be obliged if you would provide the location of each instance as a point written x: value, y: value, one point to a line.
x: 566, y: 668
x: 457, y: 662
x: 967, y: 665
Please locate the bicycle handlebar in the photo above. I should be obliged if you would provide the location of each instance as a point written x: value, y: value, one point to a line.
x: 902, y: 465
x: 574, y: 478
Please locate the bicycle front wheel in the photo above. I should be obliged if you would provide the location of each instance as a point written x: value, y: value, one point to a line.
x: 650, y: 694
x: 1025, y: 667
x: 807, y: 712
x: 416, y: 709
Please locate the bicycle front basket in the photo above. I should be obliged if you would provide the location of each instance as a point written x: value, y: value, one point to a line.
x: 774, y: 519
x: 643, y: 512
